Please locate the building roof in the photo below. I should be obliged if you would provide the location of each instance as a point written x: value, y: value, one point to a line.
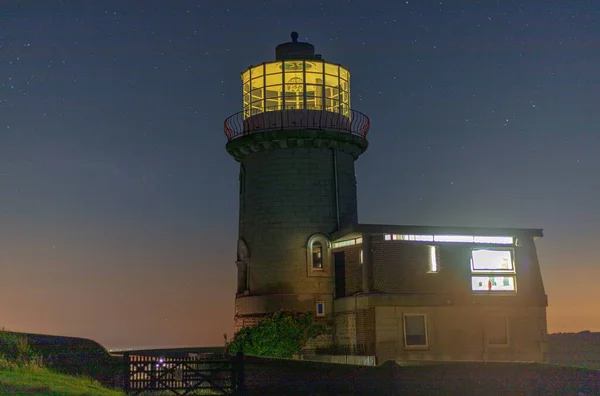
x: 356, y: 230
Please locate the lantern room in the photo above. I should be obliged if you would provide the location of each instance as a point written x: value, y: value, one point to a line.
x: 296, y: 85
x: 298, y: 91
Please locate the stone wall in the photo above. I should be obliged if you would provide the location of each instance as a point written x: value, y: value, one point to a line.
x: 459, y: 333
x: 346, y: 326
x: 353, y: 268
x: 403, y: 267
x: 289, y: 195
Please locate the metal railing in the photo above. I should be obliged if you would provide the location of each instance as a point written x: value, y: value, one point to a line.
x: 356, y: 123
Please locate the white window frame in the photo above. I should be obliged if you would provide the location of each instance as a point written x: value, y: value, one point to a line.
x: 406, y: 346
x: 511, y: 273
x: 325, y: 253
x: 486, y: 291
x: 489, y: 271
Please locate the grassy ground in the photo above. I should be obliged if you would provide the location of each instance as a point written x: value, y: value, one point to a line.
x: 32, y: 380
x: 24, y: 372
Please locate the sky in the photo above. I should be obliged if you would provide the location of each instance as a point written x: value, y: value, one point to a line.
x: 118, y: 201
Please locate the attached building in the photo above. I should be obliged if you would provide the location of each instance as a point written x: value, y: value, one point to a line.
x: 439, y: 293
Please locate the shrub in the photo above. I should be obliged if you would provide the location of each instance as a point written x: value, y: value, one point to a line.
x: 282, y: 335
x: 15, y: 349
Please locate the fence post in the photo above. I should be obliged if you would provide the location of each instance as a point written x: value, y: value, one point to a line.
x: 240, y: 379
x: 153, y: 373
x: 126, y: 373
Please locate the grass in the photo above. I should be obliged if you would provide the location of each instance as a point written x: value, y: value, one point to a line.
x: 28, y: 380
x: 22, y: 372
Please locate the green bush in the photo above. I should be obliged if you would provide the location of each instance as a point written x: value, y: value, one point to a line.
x: 15, y: 349
x: 282, y: 335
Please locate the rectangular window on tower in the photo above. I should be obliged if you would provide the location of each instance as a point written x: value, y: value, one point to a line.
x: 320, y: 308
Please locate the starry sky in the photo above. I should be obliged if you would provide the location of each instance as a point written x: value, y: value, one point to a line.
x: 118, y: 201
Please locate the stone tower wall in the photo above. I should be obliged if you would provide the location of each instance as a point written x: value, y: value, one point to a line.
x: 288, y: 194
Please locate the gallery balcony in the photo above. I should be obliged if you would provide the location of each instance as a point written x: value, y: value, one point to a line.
x: 348, y: 122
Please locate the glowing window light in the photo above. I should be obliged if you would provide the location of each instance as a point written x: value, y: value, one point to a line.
x: 493, y: 239
x: 419, y: 238
x: 492, y: 261
x: 493, y: 283
x: 433, y: 266
x: 454, y: 238
x: 361, y: 256
x: 295, y: 85
x: 349, y: 242
x: 498, y: 240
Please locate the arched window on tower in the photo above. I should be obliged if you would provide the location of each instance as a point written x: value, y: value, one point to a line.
x: 318, y: 252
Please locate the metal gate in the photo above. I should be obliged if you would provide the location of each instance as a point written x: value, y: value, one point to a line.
x: 219, y: 374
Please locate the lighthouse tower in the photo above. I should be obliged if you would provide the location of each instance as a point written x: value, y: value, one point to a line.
x: 296, y: 141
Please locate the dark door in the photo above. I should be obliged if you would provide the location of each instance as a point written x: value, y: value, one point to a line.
x: 339, y: 260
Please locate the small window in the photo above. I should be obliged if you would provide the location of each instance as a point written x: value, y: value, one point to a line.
x: 496, y: 328
x: 433, y: 259
x: 415, y: 330
x: 360, y: 259
x: 317, y: 255
x: 320, y: 309
x: 483, y: 260
x: 493, y: 283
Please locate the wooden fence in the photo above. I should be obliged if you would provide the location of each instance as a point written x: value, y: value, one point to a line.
x: 221, y: 374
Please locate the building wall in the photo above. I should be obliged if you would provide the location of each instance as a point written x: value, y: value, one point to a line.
x: 353, y: 269
x: 402, y: 267
x: 458, y: 333
x: 286, y: 196
x: 456, y: 316
x: 346, y: 334
x: 289, y: 195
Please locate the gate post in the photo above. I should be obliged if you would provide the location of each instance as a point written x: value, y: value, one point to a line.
x: 240, y: 378
x: 126, y: 373
x: 153, y: 374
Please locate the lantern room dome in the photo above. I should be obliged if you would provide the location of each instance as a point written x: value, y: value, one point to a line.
x: 294, y: 49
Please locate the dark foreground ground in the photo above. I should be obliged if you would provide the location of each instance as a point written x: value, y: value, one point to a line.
x: 276, y: 377
x: 267, y: 377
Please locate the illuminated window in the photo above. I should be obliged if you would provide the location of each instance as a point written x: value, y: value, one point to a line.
x: 496, y: 330
x: 493, y: 283
x: 349, y: 242
x: 492, y: 261
x: 433, y: 259
x: 415, y: 330
x: 296, y: 84
x: 320, y: 308
x: 421, y: 238
x: 493, y: 239
x: 317, y: 255
x: 454, y: 238
x: 497, y: 240
x: 318, y: 252
x: 360, y: 258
